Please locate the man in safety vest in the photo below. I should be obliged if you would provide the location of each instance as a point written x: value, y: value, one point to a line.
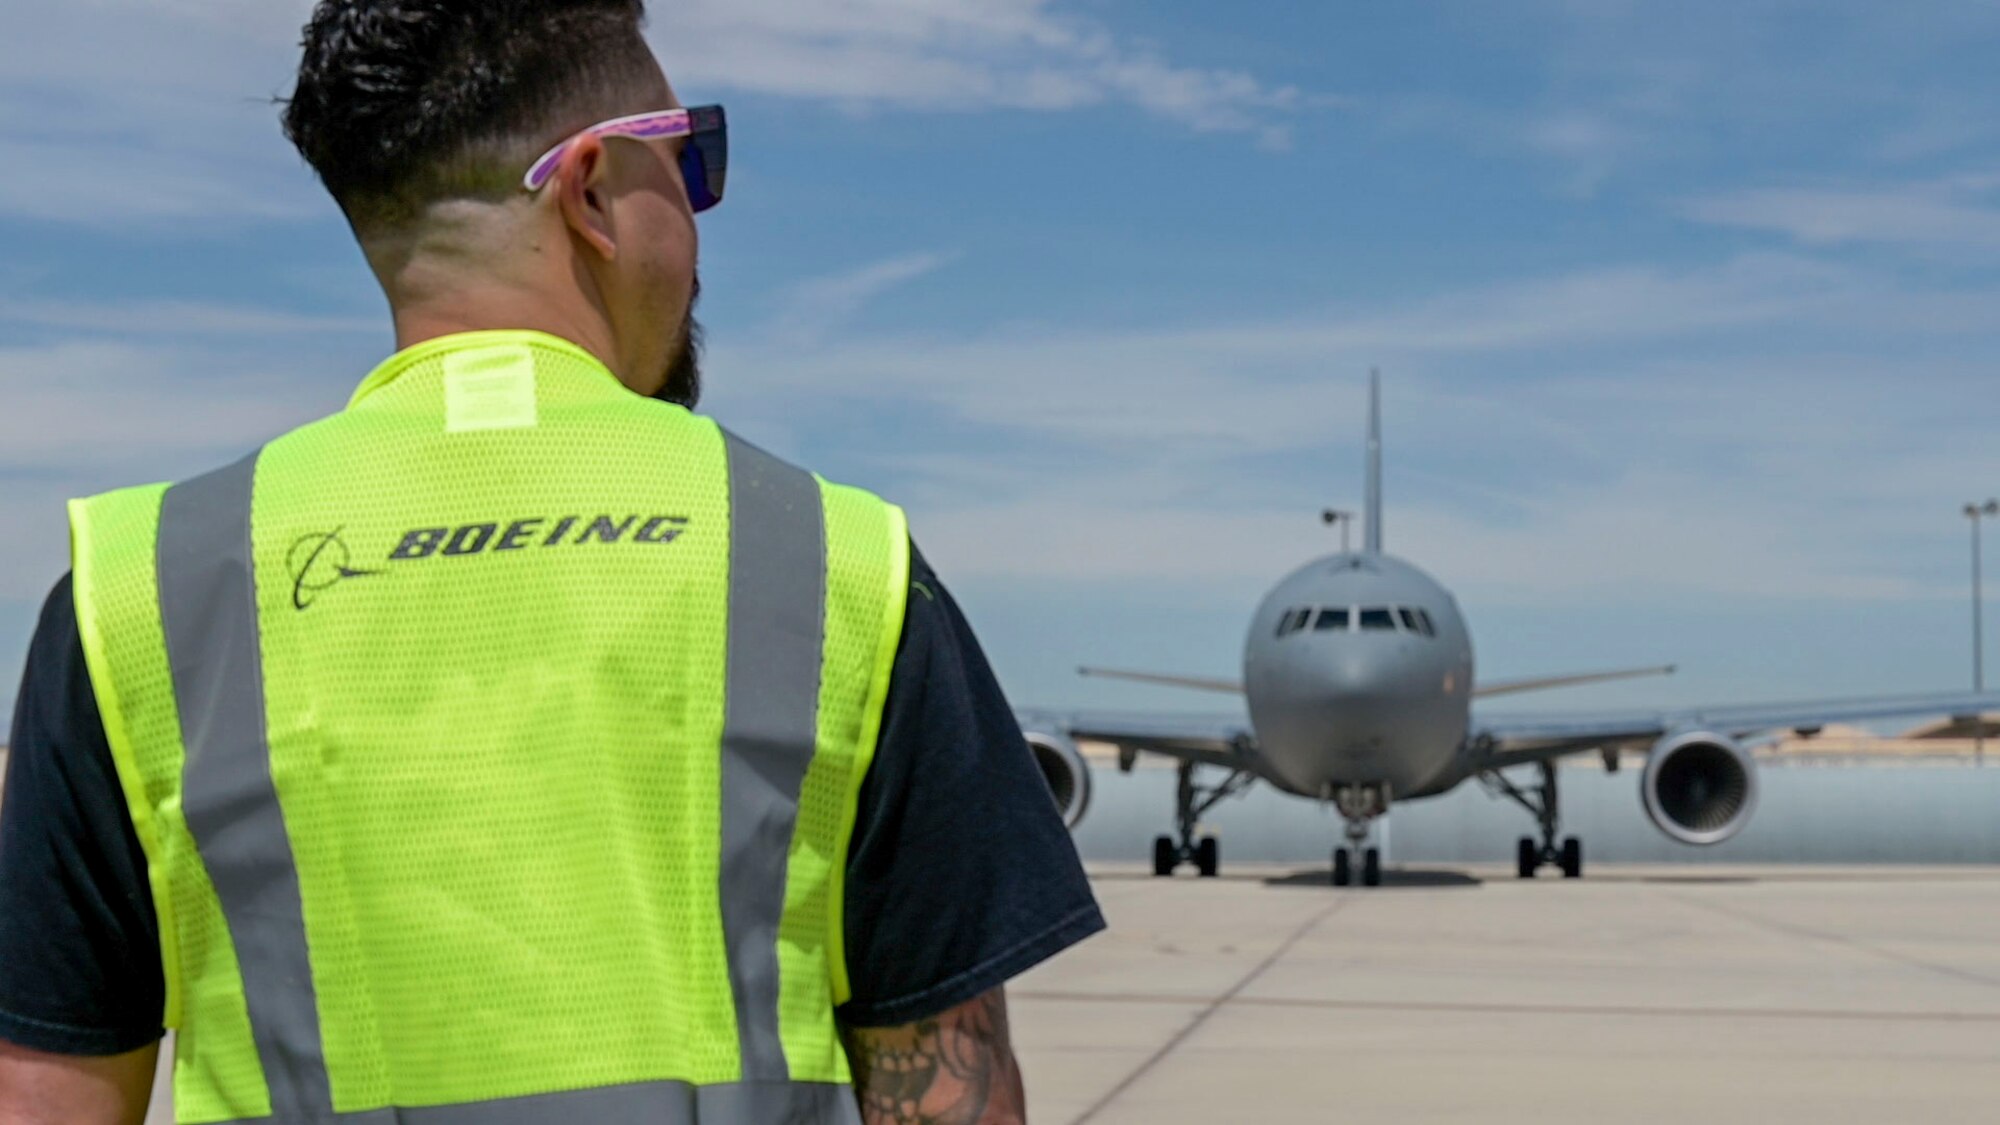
x: 515, y: 746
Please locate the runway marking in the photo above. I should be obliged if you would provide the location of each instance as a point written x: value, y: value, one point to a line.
x: 1793, y: 930
x: 1201, y: 1017
x: 1459, y: 1008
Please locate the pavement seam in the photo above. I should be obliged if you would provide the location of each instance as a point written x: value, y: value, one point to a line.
x: 1187, y: 1030
x: 1792, y: 930
x: 1441, y: 1007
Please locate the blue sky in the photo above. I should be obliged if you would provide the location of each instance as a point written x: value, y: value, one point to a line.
x: 1689, y: 314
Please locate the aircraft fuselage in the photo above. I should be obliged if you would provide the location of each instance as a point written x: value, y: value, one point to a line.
x: 1358, y: 671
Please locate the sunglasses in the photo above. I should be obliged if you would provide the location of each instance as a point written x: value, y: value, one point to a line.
x: 704, y: 159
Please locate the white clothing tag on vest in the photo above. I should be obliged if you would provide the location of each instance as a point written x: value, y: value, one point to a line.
x: 489, y: 389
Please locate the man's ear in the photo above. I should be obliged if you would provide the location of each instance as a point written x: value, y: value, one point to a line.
x: 580, y: 192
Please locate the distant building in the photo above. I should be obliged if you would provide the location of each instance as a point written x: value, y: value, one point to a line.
x: 1953, y: 740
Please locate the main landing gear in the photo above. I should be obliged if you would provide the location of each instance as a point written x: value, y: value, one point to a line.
x: 1359, y: 805
x: 1543, y: 804
x: 1190, y: 802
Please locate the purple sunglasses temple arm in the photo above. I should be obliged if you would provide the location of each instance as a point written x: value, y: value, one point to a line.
x: 640, y: 126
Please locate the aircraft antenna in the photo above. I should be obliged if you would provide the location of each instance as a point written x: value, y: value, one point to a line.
x: 1372, y: 540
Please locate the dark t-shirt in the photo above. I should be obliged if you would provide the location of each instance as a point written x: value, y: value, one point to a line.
x: 960, y: 875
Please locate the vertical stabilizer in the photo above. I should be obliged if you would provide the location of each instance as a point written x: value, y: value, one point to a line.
x: 1373, y: 540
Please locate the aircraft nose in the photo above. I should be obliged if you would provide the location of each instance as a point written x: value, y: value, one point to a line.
x: 1366, y: 698
x: 1349, y: 713
x: 1354, y: 680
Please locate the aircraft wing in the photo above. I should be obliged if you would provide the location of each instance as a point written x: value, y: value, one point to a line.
x: 1488, y: 690
x: 1211, y: 740
x: 1513, y: 739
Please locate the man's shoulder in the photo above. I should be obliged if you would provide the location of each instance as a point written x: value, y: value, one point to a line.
x: 751, y: 461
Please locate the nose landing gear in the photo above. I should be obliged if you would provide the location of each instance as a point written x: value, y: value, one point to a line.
x: 1359, y: 805
x: 1371, y: 867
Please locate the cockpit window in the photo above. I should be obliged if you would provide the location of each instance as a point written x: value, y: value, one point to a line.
x: 1374, y: 619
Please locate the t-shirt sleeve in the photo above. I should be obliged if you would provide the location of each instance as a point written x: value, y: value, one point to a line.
x: 79, y: 944
x: 961, y: 874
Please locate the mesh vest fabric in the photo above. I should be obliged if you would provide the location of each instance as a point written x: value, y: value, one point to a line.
x: 494, y: 636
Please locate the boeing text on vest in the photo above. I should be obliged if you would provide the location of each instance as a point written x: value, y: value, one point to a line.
x: 520, y: 535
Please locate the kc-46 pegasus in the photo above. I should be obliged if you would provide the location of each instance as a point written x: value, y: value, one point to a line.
x: 1359, y: 688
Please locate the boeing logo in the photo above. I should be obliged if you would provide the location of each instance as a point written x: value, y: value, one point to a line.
x: 322, y: 560
x: 318, y: 562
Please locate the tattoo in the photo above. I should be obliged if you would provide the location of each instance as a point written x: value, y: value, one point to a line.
x: 957, y: 1068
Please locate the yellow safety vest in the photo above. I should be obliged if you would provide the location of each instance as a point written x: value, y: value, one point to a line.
x: 495, y: 746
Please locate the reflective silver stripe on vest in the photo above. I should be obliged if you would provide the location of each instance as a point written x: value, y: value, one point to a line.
x: 645, y: 1103
x: 208, y: 608
x: 777, y: 617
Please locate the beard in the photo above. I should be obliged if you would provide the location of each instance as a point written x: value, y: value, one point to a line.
x: 682, y: 386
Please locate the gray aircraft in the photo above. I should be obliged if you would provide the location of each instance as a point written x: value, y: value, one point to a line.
x: 1358, y: 681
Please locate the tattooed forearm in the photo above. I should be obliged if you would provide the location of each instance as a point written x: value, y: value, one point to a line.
x: 955, y: 1069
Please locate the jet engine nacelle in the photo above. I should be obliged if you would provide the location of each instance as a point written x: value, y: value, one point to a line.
x: 1066, y: 772
x: 1699, y: 787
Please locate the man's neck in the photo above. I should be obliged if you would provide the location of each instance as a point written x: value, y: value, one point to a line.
x: 437, y: 286
x: 416, y: 325
x: 474, y: 311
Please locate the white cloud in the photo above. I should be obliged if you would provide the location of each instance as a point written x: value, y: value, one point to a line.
x: 813, y: 308
x: 123, y: 112
x: 1768, y: 426
x: 954, y: 54
x: 1954, y: 215
x: 88, y: 414
x: 178, y: 318
x: 130, y: 112
x: 102, y: 183
x: 1600, y: 93
x: 84, y: 406
x: 1749, y: 480
x: 1656, y: 536
x: 1235, y: 388
x: 1590, y: 144
x: 1582, y: 434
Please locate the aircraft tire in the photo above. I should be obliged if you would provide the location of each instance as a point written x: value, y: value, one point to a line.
x: 1371, y: 867
x: 1527, y: 857
x: 1208, y: 857
x: 1166, y: 857
x: 1572, y: 858
x: 1343, y: 868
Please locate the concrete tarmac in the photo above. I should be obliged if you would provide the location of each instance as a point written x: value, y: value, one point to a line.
x: 1684, y: 995
x: 1638, y: 994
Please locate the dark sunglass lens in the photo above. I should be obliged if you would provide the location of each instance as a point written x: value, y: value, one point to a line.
x: 701, y: 187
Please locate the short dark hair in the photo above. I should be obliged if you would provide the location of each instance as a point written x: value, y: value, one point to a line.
x: 405, y: 103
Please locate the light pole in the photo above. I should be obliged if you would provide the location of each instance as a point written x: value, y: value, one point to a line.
x: 1974, y: 512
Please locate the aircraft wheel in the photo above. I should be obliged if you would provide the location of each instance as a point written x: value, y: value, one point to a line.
x: 1371, y: 867
x: 1166, y: 856
x: 1527, y: 857
x: 1208, y: 856
x: 1572, y: 858
x: 1343, y: 869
